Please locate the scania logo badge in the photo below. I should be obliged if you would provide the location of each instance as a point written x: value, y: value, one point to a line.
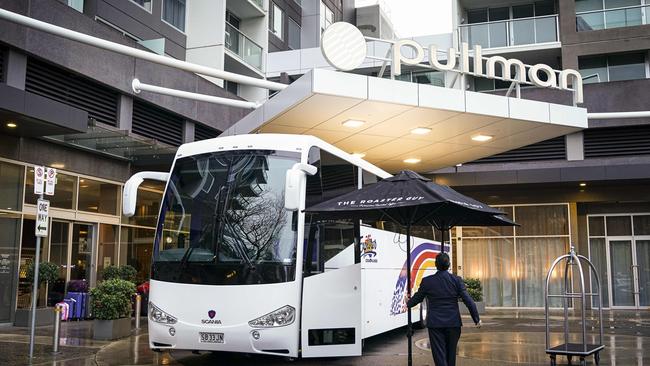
x: 212, y: 320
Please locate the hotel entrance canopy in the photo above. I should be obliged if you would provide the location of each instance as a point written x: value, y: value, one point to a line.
x: 321, y: 101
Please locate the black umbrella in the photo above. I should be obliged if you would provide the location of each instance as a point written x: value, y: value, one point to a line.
x: 410, y: 199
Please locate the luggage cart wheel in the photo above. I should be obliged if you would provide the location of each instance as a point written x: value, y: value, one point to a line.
x: 583, y: 362
x: 597, y: 358
x: 553, y: 361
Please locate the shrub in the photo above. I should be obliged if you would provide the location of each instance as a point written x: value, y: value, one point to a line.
x: 474, y: 288
x: 111, y: 299
x: 125, y: 272
x: 110, y: 273
x: 47, y: 272
x: 128, y: 273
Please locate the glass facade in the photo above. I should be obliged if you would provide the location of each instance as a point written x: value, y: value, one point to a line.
x: 512, y: 262
x: 608, y: 14
x: 619, y: 247
x: 87, y: 233
x: 615, y: 67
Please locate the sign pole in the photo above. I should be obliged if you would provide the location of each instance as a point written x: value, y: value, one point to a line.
x: 47, y: 177
x: 37, y: 260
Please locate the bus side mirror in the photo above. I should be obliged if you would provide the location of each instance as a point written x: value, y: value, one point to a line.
x: 295, y: 180
x: 130, y: 193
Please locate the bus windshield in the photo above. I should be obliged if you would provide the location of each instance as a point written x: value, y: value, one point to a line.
x: 223, y: 222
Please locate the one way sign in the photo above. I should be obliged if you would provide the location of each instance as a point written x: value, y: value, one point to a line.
x: 42, y: 211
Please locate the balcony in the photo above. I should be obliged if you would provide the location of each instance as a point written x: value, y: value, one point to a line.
x: 243, y: 47
x: 512, y: 32
x: 613, y: 18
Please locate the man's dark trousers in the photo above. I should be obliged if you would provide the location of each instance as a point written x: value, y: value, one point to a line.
x: 443, y: 342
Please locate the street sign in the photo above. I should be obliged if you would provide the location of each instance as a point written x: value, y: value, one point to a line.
x: 42, y: 212
x: 39, y: 178
x: 50, y: 181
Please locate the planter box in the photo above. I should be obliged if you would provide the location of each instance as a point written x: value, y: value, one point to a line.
x: 480, y: 306
x: 44, y: 316
x: 107, y: 330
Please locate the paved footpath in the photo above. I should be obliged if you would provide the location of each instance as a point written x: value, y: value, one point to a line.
x: 509, y: 337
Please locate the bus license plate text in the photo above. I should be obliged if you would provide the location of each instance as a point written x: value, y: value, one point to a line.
x: 206, y: 337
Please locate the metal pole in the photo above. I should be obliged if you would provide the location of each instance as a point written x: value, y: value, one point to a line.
x: 57, y: 329
x: 37, y: 259
x: 137, y: 87
x: 138, y: 303
x: 409, y: 330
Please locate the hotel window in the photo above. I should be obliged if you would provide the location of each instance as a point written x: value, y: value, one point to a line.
x: 99, y: 197
x: 277, y: 22
x: 11, y: 186
x: 326, y: 17
x: 606, y: 14
x: 604, y: 68
x: 174, y: 13
x: 512, y: 262
x: 64, y: 193
x: 77, y: 5
x: 136, y: 245
x: 294, y: 35
x: 145, y: 4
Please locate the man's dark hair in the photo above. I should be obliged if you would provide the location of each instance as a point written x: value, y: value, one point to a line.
x: 442, y: 261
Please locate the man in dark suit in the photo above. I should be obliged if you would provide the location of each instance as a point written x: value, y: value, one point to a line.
x: 441, y: 292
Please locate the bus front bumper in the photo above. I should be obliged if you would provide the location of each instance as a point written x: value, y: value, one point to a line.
x: 237, y: 338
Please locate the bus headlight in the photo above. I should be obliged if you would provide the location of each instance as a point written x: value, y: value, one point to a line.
x: 159, y: 316
x: 278, y: 318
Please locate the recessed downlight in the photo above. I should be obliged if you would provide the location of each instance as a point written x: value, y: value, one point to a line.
x: 412, y: 160
x: 57, y: 165
x: 359, y: 155
x: 482, y: 138
x: 353, y: 123
x: 420, y: 131
x: 11, y: 125
x: 583, y: 184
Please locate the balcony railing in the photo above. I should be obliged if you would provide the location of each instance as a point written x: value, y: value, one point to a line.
x: 511, y: 32
x: 247, y: 50
x: 613, y: 18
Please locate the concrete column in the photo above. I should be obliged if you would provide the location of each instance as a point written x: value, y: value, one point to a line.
x: 16, y: 69
x: 188, y: 132
x: 125, y: 115
x: 575, y: 149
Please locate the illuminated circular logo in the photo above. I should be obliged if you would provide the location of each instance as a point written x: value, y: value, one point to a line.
x: 343, y: 46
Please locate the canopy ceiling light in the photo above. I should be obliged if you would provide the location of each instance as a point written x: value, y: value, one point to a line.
x: 412, y: 160
x: 359, y: 155
x: 420, y: 131
x: 353, y: 123
x: 482, y: 138
x: 11, y: 125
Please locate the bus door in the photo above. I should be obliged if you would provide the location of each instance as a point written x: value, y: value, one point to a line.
x: 331, y: 302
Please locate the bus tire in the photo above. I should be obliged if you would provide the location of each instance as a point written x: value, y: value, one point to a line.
x: 422, y: 323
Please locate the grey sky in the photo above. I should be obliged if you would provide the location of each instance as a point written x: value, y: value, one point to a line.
x: 417, y: 17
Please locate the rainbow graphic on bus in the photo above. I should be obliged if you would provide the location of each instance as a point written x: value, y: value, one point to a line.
x: 422, y: 257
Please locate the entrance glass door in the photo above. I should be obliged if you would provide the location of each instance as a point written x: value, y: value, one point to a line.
x: 81, y: 256
x: 71, y: 247
x: 623, y: 291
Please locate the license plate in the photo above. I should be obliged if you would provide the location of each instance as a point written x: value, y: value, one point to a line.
x: 206, y: 337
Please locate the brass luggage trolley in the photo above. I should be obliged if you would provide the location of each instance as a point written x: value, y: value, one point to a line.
x: 584, y: 349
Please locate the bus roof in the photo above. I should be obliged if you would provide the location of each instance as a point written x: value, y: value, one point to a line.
x: 271, y: 141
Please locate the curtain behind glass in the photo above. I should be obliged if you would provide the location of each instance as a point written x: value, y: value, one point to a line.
x: 174, y: 13
x: 534, y: 259
x: 492, y: 261
x: 598, y: 257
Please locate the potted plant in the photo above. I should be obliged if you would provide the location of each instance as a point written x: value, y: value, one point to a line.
x: 110, y: 304
x: 125, y: 272
x: 475, y: 290
x: 48, y: 272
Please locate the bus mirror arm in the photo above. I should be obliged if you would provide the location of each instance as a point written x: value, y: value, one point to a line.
x: 130, y: 194
x: 296, y: 178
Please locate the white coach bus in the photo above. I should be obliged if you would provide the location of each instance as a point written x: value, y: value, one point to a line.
x: 237, y: 266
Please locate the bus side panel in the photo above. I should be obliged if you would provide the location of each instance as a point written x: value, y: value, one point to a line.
x: 384, y: 277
